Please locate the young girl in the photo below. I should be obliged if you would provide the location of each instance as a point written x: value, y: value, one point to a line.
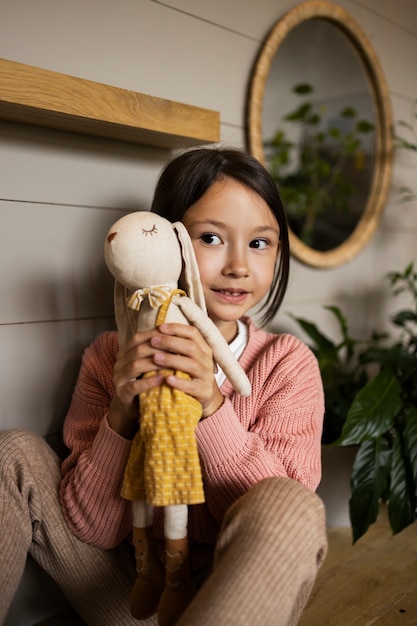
x: 257, y: 542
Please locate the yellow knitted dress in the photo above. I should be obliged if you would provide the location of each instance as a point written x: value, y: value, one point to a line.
x: 164, y: 467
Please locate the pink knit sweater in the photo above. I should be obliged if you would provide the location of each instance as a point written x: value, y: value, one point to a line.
x: 274, y: 432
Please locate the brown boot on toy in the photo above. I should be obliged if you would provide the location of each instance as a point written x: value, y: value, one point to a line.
x: 179, y: 589
x: 149, y: 583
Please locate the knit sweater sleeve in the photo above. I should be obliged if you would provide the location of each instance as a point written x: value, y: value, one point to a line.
x: 274, y: 432
x: 92, y: 473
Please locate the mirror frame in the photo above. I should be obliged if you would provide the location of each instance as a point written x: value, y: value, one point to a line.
x: 382, y: 173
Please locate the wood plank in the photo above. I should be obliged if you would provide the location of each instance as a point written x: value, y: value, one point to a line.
x: 404, y: 612
x: 40, y: 97
x: 371, y: 582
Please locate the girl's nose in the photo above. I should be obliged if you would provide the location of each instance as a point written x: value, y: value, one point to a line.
x: 236, y: 265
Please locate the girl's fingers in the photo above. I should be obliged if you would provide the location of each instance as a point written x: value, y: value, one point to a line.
x: 144, y: 384
x: 187, y: 364
x: 171, y: 346
x: 183, y: 348
x: 187, y: 342
x: 135, y: 357
x: 168, y: 333
x: 206, y: 392
x: 181, y: 330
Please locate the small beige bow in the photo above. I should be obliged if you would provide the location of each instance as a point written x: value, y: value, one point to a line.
x: 156, y: 296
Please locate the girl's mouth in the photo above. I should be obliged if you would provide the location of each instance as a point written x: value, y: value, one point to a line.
x: 231, y: 295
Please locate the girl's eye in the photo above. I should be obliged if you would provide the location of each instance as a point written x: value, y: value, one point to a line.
x: 210, y: 239
x: 259, y: 244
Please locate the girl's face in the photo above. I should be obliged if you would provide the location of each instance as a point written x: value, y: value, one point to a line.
x: 236, y: 241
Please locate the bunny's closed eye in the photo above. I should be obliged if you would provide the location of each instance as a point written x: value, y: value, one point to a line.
x: 151, y: 231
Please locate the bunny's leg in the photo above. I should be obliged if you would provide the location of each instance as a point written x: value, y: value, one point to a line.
x: 149, y: 583
x: 179, y: 589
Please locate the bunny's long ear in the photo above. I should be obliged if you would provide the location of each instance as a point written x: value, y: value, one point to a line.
x: 124, y: 316
x: 191, y: 274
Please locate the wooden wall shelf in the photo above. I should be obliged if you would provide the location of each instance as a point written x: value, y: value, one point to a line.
x: 40, y: 97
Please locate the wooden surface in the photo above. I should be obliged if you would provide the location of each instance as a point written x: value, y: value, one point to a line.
x: 371, y: 582
x: 39, y: 97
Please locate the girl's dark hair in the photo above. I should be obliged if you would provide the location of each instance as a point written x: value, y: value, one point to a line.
x: 187, y: 178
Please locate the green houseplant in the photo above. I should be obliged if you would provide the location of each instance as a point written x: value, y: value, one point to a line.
x: 371, y: 402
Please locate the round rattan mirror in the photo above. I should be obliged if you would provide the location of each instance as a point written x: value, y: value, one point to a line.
x: 319, y: 117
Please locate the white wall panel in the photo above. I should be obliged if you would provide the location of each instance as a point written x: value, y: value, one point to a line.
x: 51, y: 262
x: 394, y: 251
x: 401, y: 12
x: 49, y: 166
x: 319, y: 285
x: 241, y: 17
x: 39, y: 365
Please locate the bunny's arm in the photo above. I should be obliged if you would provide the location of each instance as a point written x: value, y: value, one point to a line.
x: 221, y: 351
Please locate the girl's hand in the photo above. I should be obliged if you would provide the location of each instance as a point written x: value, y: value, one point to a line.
x: 133, y: 360
x: 182, y: 347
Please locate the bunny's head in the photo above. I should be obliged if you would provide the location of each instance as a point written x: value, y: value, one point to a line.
x: 143, y: 249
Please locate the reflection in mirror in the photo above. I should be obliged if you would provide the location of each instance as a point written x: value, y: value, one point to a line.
x: 318, y: 134
x: 319, y: 118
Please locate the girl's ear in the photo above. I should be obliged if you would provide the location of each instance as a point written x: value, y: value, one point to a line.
x: 124, y: 315
x: 191, y: 274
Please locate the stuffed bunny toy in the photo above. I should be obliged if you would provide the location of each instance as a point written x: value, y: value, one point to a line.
x: 148, y: 256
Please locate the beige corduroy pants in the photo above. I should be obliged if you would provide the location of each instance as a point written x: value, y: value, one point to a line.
x: 271, y: 545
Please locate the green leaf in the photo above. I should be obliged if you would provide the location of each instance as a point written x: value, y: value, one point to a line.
x: 314, y: 119
x: 363, y: 126
x: 322, y: 342
x: 406, y: 194
x: 410, y: 442
x: 402, y: 501
x: 303, y: 88
x: 400, y: 318
x: 406, y: 145
x: 348, y: 342
x: 369, y: 478
x: 299, y: 114
x: 348, y: 112
x: 405, y: 124
x: 373, y: 411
